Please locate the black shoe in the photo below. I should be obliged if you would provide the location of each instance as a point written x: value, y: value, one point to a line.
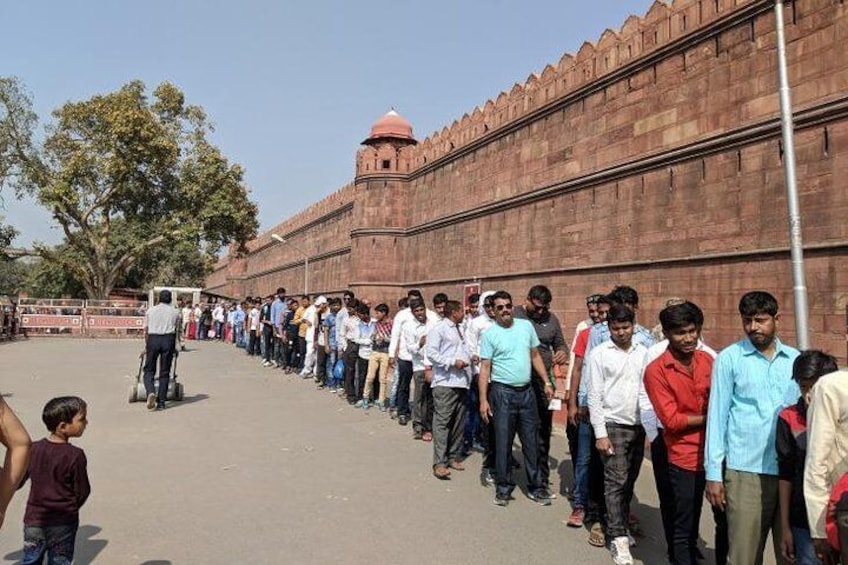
x: 487, y: 477
x: 160, y: 405
x: 541, y: 497
x: 403, y: 420
x: 501, y: 499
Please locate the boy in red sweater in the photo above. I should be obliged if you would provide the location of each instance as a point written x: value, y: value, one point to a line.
x: 60, y: 485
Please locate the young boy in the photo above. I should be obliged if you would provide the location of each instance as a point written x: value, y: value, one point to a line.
x: 60, y: 486
x: 791, y: 443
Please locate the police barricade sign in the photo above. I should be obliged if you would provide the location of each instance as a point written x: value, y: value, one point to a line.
x: 74, y: 323
x: 114, y: 322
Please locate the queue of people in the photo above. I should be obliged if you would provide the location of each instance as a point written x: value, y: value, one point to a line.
x: 737, y: 428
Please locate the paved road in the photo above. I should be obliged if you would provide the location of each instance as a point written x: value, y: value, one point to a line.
x: 255, y: 466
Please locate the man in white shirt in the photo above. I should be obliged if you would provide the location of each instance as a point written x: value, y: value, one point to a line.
x: 615, y: 371
x: 414, y: 337
x: 827, y: 454
x: 400, y: 355
x: 218, y: 317
x: 185, y: 320
x: 450, y: 360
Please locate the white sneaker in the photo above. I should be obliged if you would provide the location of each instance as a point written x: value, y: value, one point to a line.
x: 620, y: 550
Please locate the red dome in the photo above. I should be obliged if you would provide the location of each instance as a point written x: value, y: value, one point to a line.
x: 392, y: 126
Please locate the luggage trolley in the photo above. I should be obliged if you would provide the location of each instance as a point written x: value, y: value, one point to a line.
x: 137, y: 392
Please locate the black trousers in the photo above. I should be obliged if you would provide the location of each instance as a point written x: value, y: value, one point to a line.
x: 688, y: 491
x: 546, y: 426
x: 351, y: 355
x: 659, y: 461
x: 404, y: 380
x: 321, y: 364
x: 253, y: 343
x: 268, y: 341
x: 301, y: 352
x: 621, y: 469
x: 361, y: 373
x: 159, y: 347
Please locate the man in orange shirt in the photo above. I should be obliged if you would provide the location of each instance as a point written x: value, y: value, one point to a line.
x: 678, y: 385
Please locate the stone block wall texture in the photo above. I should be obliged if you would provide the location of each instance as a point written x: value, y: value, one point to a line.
x: 651, y: 157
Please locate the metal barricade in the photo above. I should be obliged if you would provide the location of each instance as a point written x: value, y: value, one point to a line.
x: 115, y: 318
x: 51, y: 316
x: 71, y: 317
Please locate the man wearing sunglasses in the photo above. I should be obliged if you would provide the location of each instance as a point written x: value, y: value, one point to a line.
x: 509, y: 353
x: 553, y: 349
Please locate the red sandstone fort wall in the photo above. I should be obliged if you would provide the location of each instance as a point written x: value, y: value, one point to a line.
x: 651, y: 158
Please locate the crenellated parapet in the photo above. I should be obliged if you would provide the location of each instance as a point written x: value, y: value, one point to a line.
x: 664, y: 23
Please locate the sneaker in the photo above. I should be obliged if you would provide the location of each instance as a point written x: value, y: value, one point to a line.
x: 487, y: 477
x: 151, y: 401
x: 267, y: 364
x: 380, y: 406
x: 620, y: 551
x: 361, y: 404
x: 576, y: 518
x: 403, y: 420
x: 541, y: 497
x: 160, y: 406
x: 501, y: 500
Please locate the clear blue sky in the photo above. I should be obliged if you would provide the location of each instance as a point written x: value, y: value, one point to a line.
x: 292, y: 87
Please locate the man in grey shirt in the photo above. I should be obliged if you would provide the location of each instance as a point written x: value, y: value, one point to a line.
x: 160, y: 334
x: 553, y: 349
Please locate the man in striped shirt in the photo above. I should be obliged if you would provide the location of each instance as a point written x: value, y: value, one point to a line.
x: 751, y: 384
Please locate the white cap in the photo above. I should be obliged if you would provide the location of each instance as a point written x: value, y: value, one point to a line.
x: 320, y: 301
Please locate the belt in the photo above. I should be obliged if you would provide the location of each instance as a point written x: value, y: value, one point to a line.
x: 512, y: 387
x: 623, y: 426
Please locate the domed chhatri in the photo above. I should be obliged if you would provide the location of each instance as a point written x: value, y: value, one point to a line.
x: 391, y: 126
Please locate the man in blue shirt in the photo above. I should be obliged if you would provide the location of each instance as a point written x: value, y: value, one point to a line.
x: 508, y: 350
x: 751, y: 384
x: 278, y: 316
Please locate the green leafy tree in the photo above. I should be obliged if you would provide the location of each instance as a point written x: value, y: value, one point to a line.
x: 128, y: 178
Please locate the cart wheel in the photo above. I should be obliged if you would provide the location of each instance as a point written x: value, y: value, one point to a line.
x: 178, y: 392
x: 132, y: 396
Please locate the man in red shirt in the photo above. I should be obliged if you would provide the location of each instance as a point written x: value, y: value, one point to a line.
x: 678, y: 385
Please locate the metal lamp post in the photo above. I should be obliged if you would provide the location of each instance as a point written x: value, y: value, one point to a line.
x: 283, y: 240
x: 799, y: 286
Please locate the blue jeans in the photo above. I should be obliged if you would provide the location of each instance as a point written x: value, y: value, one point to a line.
x: 329, y: 365
x: 585, y: 445
x: 240, y: 335
x: 54, y: 542
x: 805, y: 552
x: 514, y: 410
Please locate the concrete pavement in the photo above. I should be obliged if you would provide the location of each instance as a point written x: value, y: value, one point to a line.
x: 257, y: 466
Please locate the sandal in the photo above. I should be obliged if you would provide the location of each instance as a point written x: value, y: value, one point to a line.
x: 427, y: 436
x: 596, y: 535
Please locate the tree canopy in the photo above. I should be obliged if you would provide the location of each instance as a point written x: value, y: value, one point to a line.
x: 130, y: 179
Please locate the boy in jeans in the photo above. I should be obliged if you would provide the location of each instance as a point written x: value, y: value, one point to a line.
x: 60, y: 486
x: 791, y: 442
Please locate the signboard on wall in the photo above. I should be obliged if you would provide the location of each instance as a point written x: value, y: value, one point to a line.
x: 467, y: 290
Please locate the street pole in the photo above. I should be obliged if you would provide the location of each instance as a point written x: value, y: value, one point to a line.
x: 306, y: 274
x: 799, y: 288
